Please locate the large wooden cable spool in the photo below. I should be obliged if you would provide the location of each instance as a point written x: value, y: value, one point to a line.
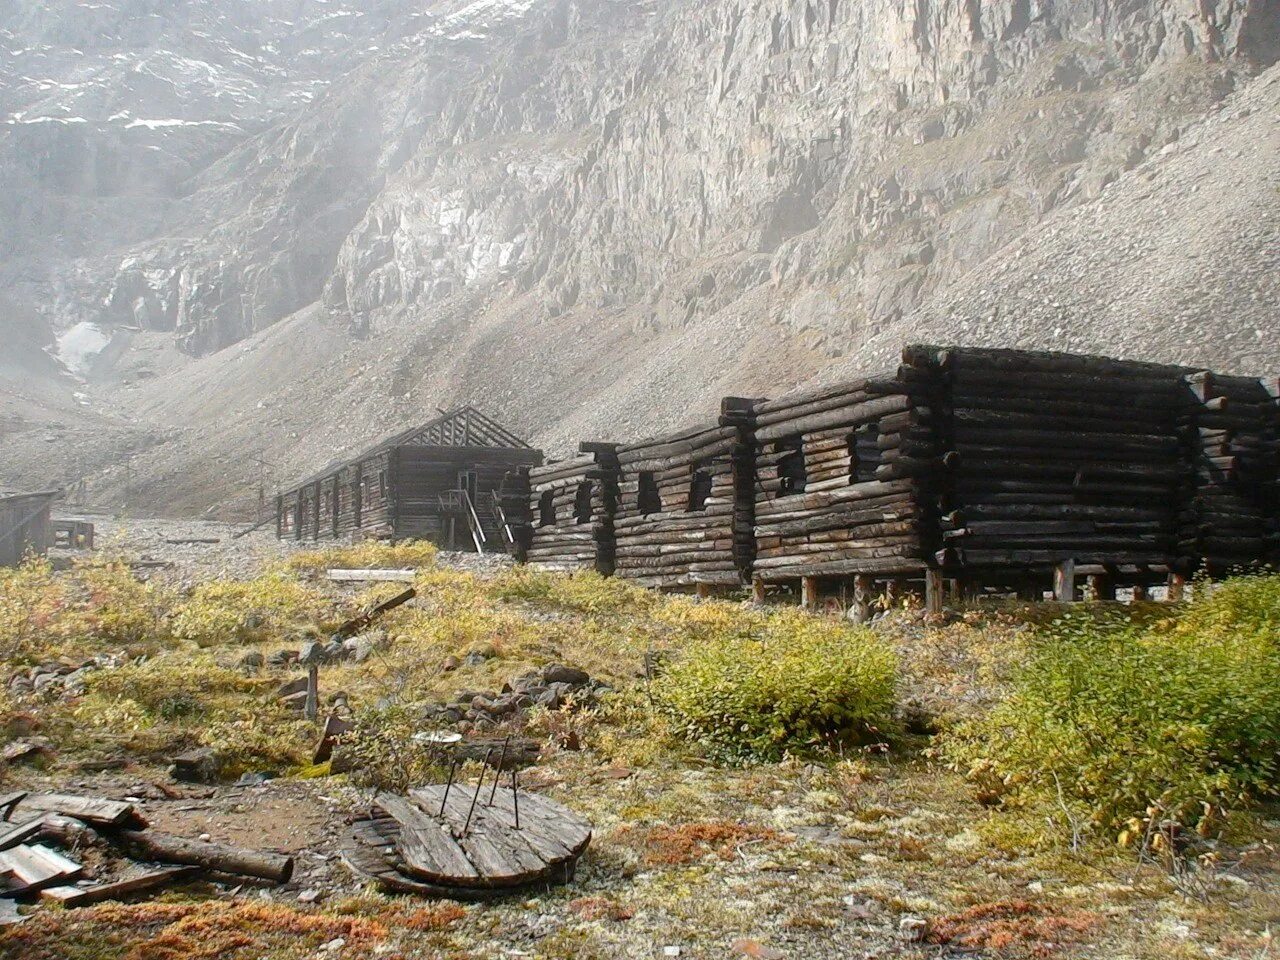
x: 471, y: 844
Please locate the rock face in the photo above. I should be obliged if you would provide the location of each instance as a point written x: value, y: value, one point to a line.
x: 616, y: 185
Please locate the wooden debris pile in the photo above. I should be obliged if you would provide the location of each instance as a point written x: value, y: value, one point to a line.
x: 570, y: 511
x: 1233, y: 520
x: 686, y: 505
x: 74, y: 851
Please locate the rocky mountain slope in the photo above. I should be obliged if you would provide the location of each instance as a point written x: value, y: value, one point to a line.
x: 594, y: 217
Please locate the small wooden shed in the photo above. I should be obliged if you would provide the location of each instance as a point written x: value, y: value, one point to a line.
x: 437, y: 481
x: 569, y: 510
x: 26, y: 525
x: 685, y: 505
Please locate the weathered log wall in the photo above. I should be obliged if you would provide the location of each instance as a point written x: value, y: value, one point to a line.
x: 685, y: 505
x: 420, y: 474
x: 1053, y: 457
x: 841, y: 479
x: 569, y: 512
x: 1233, y: 520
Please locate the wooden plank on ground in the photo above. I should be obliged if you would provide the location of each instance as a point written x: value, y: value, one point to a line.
x: 104, y: 813
x: 20, y: 832
x: 28, y: 869
x: 405, y: 575
x: 72, y: 896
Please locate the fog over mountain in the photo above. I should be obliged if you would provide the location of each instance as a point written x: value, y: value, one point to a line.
x: 285, y: 227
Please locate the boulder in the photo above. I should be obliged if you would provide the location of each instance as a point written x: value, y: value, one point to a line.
x: 312, y: 652
x: 195, y: 766
x: 558, y: 673
x: 252, y: 661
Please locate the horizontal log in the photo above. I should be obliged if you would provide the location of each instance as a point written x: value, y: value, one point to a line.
x: 859, y: 413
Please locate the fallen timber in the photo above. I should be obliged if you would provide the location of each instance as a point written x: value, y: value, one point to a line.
x: 37, y: 854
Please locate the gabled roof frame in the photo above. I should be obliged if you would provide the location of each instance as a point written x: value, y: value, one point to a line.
x: 464, y: 427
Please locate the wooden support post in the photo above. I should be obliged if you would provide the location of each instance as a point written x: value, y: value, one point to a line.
x: 1030, y: 592
x: 1101, y: 587
x: 313, y: 691
x: 757, y: 590
x: 1177, y: 587
x: 862, y: 588
x: 1139, y: 593
x: 809, y: 593
x: 1064, y: 582
x: 893, y: 591
x: 934, y: 591
x: 703, y: 590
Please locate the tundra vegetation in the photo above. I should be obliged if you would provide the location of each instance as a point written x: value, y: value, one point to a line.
x: 1006, y: 781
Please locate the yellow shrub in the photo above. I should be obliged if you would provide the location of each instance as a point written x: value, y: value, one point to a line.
x: 119, y: 608
x: 249, y: 611
x: 581, y: 592
x: 36, y: 610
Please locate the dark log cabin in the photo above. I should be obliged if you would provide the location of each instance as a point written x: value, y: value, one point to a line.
x: 1001, y: 469
x: 434, y: 482
x: 569, y: 508
x: 685, y: 505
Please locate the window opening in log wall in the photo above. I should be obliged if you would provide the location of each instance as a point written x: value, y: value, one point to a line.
x: 547, y: 508
x: 791, y: 472
x: 853, y: 458
x: 650, y: 500
x: 582, y: 502
x: 700, y: 488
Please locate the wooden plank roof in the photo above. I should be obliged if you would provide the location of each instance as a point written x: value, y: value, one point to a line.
x: 464, y: 427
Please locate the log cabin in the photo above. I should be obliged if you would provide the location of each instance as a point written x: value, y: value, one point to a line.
x: 437, y: 482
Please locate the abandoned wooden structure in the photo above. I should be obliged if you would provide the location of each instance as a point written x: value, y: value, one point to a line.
x: 433, y: 482
x: 963, y: 469
x: 26, y: 527
x: 985, y: 469
x: 568, y: 511
x: 1074, y: 463
x: 685, y: 505
x: 73, y: 534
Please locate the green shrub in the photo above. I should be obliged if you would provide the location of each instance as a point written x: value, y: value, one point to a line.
x: 383, y: 754
x: 1114, y: 723
x: 795, y: 684
x: 248, y: 611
